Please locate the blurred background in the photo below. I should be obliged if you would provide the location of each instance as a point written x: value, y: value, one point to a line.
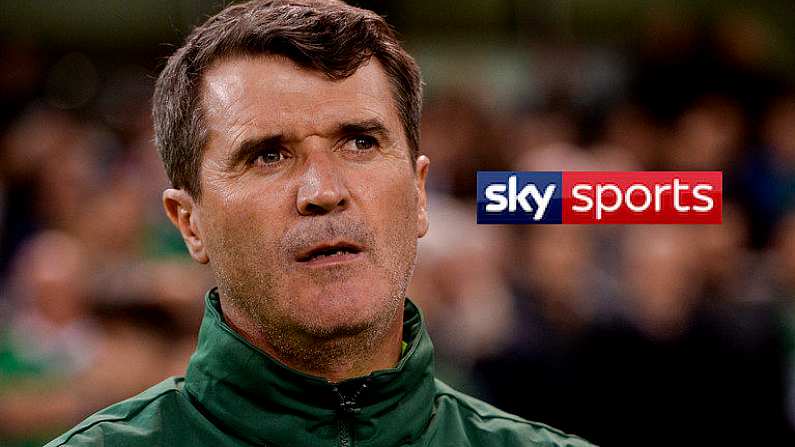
x: 625, y: 335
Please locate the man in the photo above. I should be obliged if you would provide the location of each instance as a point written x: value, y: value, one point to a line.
x: 289, y: 130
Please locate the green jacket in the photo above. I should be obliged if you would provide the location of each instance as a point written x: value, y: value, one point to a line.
x: 235, y: 395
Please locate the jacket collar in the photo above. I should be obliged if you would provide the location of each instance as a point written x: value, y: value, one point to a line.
x: 252, y: 396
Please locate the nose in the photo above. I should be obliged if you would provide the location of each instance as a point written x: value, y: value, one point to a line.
x: 322, y: 189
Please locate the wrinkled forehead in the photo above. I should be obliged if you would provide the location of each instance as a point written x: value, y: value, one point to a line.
x: 272, y: 94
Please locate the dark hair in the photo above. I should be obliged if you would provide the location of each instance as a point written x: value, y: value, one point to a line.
x: 324, y: 35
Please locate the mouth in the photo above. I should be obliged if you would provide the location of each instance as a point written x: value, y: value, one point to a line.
x: 330, y: 253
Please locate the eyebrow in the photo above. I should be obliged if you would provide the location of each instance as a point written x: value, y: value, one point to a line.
x: 372, y: 126
x: 245, y: 150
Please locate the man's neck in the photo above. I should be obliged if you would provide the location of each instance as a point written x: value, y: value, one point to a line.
x: 334, y: 359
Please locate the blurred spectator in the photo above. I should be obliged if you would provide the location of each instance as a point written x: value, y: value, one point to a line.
x: 459, y: 285
x: 693, y: 365
x: 630, y: 130
x: 766, y: 181
x: 50, y: 331
x: 558, y: 292
x: 458, y: 136
x: 64, y: 354
x: 707, y: 136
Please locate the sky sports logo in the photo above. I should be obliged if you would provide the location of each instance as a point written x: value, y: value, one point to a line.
x: 650, y: 197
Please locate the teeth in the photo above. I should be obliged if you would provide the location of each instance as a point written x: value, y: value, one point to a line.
x: 335, y: 253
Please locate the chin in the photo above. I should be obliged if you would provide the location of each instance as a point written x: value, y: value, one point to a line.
x: 346, y: 312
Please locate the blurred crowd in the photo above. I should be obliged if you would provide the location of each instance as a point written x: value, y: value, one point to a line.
x: 626, y: 335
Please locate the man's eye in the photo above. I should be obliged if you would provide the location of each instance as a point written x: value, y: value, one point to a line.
x: 364, y: 142
x: 268, y: 157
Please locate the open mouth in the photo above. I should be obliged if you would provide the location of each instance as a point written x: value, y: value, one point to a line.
x: 329, y: 253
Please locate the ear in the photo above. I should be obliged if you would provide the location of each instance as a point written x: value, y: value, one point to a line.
x: 182, y: 211
x: 421, y: 173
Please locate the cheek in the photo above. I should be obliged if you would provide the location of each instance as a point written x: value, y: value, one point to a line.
x: 391, y: 204
x: 243, y: 224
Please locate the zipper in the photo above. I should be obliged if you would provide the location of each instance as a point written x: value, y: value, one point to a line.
x: 346, y: 410
x: 345, y: 439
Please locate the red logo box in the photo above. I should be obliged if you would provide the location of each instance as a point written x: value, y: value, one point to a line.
x: 645, y: 197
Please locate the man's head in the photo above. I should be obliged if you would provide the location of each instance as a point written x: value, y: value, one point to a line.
x: 289, y: 132
x: 327, y: 36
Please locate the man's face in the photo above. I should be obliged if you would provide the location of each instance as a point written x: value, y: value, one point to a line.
x: 311, y: 206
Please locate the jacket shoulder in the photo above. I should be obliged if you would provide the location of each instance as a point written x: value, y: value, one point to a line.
x: 487, y: 425
x: 135, y: 416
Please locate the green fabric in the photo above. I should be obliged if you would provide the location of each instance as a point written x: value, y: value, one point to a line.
x: 236, y: 395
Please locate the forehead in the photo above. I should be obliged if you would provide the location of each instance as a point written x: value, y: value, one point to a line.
x: 244, y: 95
